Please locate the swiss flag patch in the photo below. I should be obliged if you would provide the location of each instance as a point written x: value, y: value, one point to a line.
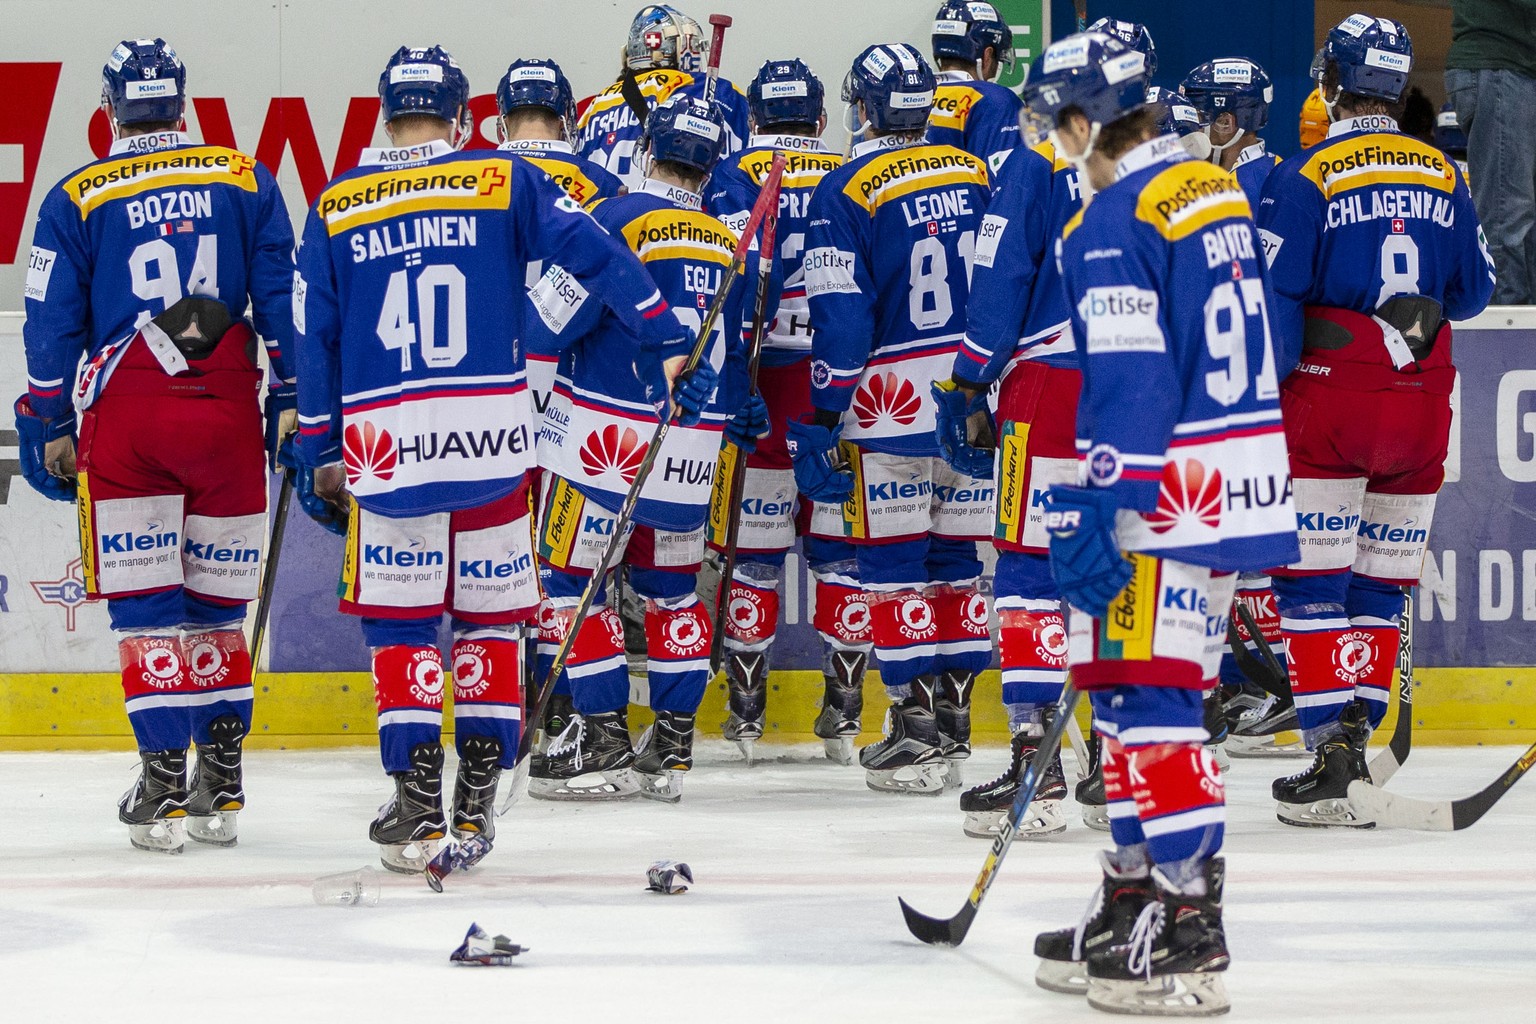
x: 933, y: 227
x: 1399, y: 226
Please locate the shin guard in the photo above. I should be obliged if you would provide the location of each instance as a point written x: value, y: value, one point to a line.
x: 677, y: 635
x: 1180, y: 800
x: 1034, y: 651
x: 220, y: 667
x: 157, y: 689
x: 905, y: 633
x: 1124, y: 825
x: 488, y: 690
x: 408, y: 691
x: 963, y: 642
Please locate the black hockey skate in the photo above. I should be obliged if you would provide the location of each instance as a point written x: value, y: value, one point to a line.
x: 1319, y: 796
x: 986, y: 806
x: 746, y: 680
x: 1090, y: 789
x: 1172, y: 964
x: 664, y: 753
x: 155, y: 806
x: 1116, y: 904
x: 591, y: 759
x: 474, y: 789
x: 838, y: 723
x: 1216, y: 728
x: 908, y: 759
x: 952, y: 711
x: 410, y: 823
x: 558, y: 713
x: 1261, y: 724
x: 216, y: 793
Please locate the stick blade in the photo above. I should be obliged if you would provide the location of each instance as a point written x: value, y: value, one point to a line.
x: 936, y: 931
x: 1398, y: 811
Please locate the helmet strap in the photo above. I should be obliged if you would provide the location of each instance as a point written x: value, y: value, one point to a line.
x: 852, y: 121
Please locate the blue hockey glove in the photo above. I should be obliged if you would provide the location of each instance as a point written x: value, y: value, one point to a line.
x: 693, y: 392
x: 960, y: 422
x: 749, y: 425
x: 35, y: 435
x: 282, y: 418
x: 327, y: 503
x: 820, y: 472
x: 1085, y: 558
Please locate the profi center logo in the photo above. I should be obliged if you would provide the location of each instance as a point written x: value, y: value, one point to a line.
x: 471, y: 677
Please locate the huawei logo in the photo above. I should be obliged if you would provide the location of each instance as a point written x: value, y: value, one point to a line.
x: 886, y: 397
x: 608, y: 450
x: 1187, y: 493
x: 368, y: 451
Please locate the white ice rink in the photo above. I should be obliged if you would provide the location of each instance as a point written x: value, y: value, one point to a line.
x: 794, y: 916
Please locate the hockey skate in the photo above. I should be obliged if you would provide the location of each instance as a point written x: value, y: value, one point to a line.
x: 1319, y: 796
x: 216, y: 792
x: 558, y: 713
x: 664, y: 753
x: 590, y: 760
x: 1262, y: 725
x: 1112, y: 912
x: 155, y: 806
x: 1172, y: 964
x: 952, y: 711
x: 838, y: 723
x: 1216, y: 729
x: 908, y: 758
x: 987, y: 806
x: 746, y: 680
x: 1090, y: 789
x: 474, y: 789
x: 410, y: 823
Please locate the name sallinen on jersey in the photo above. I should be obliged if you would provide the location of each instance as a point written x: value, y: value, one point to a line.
x: 901, y: 166
x: 428, y: 232
x: 177, y: 160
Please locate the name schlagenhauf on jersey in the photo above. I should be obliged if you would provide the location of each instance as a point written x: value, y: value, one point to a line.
x: 201, y: 165
x: 457, y: 185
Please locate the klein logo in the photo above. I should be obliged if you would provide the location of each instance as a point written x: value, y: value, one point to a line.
x: 368, y: 450
x: 886, y: 397
x: 1188, y: 493
x: 608, y: 450
x: 68, y: 593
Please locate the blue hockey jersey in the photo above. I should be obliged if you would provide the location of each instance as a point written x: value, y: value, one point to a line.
x: 1179, y: 413
x: 1365, y: 215
x: 730, y: 193
x: 979, y: 117
x: 887, y: 269
x: 582, y: 179
x: 408, y: 321
x: 599, y: 422
x: 1017, y: 309
x: 608, y: 130
x: 125, y: 237
x: 1252, y: 169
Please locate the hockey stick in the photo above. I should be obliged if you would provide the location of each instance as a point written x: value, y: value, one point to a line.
x: 1265, y: 670
x: 718, y: 23
x: 739, y: 466
x: 1400, y: 811
x: 1079, y: 747
x: 951, y: 931
x: 269, y: 571
x: 768, y: 199
x: 1386, y: 763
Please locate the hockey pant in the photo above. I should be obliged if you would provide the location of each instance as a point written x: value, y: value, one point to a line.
x: 173, y: 496
x: 1367, y: 466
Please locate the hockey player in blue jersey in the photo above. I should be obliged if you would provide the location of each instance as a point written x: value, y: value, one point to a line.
x: 1232, y: 96
x: 1132, y: 34
x: 142, y: 264
x: 1373, y: 246
x: 663, y: 57
x: 887, y: 264
x: 1017, y: 333
x: 788, y: 116
x: 1183, y: 482
x: 590, y: 446
x: 971, y: 44
x: 416, y: 429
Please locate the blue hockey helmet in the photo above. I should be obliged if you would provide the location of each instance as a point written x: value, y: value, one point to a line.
x: 964, y: 30
x: 1373, y: 55
x: 423, y: 80
x: 1231, y: 85
x: 1179, y: 117
x: 896, y: 86
x: 785, y: 92
x: 1133, y: 34
x: 1448, y: 133
x: 1090, y: 71
x: 685, y: 131
x: 536, y: 83
x: 144, y: 82
x: 658, y: 38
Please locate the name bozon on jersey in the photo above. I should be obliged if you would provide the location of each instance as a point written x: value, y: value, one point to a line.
x: 1202, y: 456
x: 887, y: 263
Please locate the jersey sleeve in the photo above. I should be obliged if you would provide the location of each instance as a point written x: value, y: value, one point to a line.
x: 317, y: 344
x: 1290, y: 224
x: 549, y: 225
x: 1471, y: 285
x: 729, y: 196
x: 58, y: 298
x: 1132, y: 390
x: 1011, y: 244
x: 992, y: 130
x: 841, y: 291
x: 271, y: 275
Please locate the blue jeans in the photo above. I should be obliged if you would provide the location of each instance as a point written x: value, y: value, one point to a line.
x: 1501, y: 166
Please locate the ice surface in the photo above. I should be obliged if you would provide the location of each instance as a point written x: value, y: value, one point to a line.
x: 794, y: 916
